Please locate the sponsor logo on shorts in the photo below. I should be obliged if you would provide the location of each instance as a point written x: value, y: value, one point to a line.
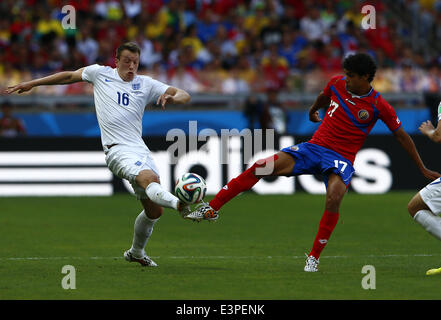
x: 138, y: 163
x: 363, y: 114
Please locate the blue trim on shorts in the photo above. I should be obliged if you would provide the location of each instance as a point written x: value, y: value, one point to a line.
x: 314, y: 159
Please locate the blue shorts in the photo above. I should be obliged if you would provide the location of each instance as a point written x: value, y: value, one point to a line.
x: 313, y: 159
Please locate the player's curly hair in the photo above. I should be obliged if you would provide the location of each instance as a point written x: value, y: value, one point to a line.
x: 361, y: 64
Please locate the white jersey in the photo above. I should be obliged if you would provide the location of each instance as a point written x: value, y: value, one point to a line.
x: 120, y: 105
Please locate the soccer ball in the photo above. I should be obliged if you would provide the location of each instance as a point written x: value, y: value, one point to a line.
x: 190, y: 188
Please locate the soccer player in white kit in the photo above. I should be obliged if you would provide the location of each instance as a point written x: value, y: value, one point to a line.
x: 120, y: 99
x: 425, y: 206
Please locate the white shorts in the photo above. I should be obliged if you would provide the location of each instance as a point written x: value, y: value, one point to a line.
x: 126, y: 162
x: 431, y: 195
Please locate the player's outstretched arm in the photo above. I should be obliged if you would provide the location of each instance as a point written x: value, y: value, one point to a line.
x: 173, y: 95
x: 429, y: 130
x: 407, y: 143
x: 322, y: 101
x: 64, y: 77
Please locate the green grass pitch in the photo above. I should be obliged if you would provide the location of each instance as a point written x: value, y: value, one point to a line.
x: 255, y: 251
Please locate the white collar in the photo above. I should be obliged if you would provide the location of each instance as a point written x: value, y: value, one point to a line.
x: 357, y: 96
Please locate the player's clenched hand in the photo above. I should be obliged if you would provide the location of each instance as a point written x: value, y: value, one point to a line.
x: 429, y: 174
x: 314, y: 117
x: 164, y: 99
x: 20, y: 88
x: 427, y: 128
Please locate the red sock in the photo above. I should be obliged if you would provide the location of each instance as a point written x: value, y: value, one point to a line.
x: 327, y: 225
x: 245, y: 181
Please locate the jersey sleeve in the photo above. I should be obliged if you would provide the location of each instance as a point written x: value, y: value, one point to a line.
x: 327, y: 90
x: 90, y: 73
x: 157, y: 88
x: 388, y: 114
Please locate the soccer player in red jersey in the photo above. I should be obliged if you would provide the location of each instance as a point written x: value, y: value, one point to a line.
x: 353, y: 107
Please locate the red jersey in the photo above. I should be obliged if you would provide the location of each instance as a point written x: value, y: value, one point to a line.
x: 350, y: 118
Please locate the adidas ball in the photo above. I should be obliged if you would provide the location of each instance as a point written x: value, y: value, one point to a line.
x: 190, y: 188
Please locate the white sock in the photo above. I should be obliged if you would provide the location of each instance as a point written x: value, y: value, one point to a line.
x: 158, y: 195
x: 142, y: 232
x: 430, y: 222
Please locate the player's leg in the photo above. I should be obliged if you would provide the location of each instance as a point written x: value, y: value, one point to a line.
x: 279, y: 164
x: 335, y: 192
x: 149, y: 181
x: 138, y: 167
x: 416, y: 204
x: 143, y: 229
x: 425, y: 208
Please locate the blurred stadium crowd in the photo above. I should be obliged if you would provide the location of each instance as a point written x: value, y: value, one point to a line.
x: 224, y: 46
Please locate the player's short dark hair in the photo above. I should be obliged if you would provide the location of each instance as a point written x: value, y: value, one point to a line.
x: 131, y: 46
x: 361, y: 64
